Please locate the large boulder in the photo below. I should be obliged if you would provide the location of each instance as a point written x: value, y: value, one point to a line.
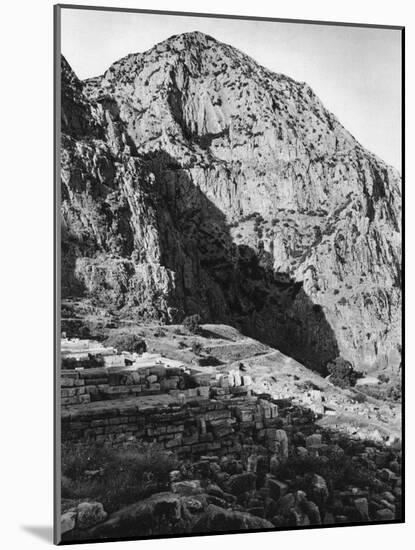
x: 216, y: 519
x: 187, y: 487
x: 141, y: 517
x: 319, y: 491
x: 362, y: 507
x: 241, y: 483
x: 276, y: 488
x: 68, y: 521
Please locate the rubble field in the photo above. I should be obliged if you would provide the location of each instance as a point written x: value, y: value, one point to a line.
x: 261, y: 441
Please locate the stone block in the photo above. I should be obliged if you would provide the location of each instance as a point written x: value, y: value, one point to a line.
x: 244, y: 415
x: 224, y: 381
x: 159, y: 371
x: 276, y: 488
x: 241, y: 483
x: 67, y: 382
x: 187, y: 487
x: 168, y: 384
x: 134, y: 378
x: 246, y: 380
x: 204, y: 391
x: 94, y: 381
x: 362, y: 507
x: 385, y: 515
x: 174, y: 371
x: 199, y: 448
x: 240, y: 390
x: 175, y: 428
x: 114, y: 360
x: 191, y: 439
x: 313, y: 440
x: 173, y: 443
x: 68, y: 392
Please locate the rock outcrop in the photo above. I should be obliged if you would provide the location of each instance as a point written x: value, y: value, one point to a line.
x: 196, y: 181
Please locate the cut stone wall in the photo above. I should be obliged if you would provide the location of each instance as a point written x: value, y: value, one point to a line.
x: 101, y: 384
x: 200, y: 426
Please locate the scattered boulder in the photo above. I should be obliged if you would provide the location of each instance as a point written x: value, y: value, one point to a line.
x: 385, y: 515
x: 240, y: 483
x: 216, y: 519
x: 362, y: 508
x: 286, y: 503
x: 319, y: 490
x: 276, y: 488
x: 139, y: 517
x: 187, y: 487
x: 89, y: 514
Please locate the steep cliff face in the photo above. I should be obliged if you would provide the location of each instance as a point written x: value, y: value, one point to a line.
x: 195, y: 180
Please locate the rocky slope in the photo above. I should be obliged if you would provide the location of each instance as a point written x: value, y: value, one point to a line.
x: 195, y: 180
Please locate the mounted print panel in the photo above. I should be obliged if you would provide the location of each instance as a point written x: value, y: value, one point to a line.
x: 228, y: 289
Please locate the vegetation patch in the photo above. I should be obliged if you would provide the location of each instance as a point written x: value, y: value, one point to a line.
x: 127, y: 342
x: 192, y: 324
x: 113, y: 477
x: 342, y: 373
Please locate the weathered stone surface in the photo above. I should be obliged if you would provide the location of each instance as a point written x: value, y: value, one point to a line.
x: 286, y: 503
x: 89, y: 514
x: 188, y: 487
x: 362, y: 507
x: 240, y: 483
x: 217, y: 519
x: 281, y: 444
x: 319, y: 490
x: 385, y: 515
x: 277, y: 488
x: 68, y: 521
x: 139, y: 517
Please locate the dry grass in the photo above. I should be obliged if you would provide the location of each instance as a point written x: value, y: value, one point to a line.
x: 114, y: 477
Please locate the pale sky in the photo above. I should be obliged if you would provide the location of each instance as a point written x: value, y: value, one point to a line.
x: 356, y: 72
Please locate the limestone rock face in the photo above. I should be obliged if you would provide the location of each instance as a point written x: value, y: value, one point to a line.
x: 196, y: 181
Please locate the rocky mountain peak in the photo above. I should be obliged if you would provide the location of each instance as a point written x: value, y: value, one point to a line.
x: 195, y: 180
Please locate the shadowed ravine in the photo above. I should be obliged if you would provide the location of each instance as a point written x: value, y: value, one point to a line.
x: 234, y: 284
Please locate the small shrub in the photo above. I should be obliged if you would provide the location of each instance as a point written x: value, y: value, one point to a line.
x: 84, y: 333
x: 383, y: 378
x: 192, y: 323
x: 182, y: 344
x: 342, y: 373
x: 127, y: 342
x: 197, y: 348
x: 395, y: 392
x: 360, y: 398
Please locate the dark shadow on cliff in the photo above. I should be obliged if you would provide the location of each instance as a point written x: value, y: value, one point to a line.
x: 232, y: 283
